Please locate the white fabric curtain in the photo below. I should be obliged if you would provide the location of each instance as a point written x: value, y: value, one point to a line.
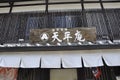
x: 111, y: 57
x: 8, y: 60
x: 54, y: 59
x: 92, y: 60
x: 51, y: 61
x: 30, y: 61
x: 71, y: 60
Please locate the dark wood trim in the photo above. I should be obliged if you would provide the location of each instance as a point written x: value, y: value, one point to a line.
x: 52, y: 3
x: 59, y: 48
x: 11, y: 6
x: 80, y: 74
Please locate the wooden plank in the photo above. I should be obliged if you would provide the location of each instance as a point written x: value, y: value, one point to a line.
x: 62, y: 35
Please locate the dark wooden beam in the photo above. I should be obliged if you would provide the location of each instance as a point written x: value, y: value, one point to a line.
x: 11, y: 7
x: 46, y: 10
x: 59, y: 48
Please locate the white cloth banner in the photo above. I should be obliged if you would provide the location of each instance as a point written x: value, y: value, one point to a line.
x: 51, y: 61
x: 30, y: 61
x: 54, y: 59
x: 8, y: 60
x: 71, y: 60
x: 112, y: 59
x: 92, y: 60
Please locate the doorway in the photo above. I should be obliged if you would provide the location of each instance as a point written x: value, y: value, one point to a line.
x: 63, y: 74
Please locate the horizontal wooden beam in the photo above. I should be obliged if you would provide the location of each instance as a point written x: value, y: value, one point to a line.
x: 59, y: 48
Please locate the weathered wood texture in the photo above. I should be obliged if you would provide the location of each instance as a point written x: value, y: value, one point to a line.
x: 89, y: 34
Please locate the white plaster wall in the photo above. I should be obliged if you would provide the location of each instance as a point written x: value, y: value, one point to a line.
x: 4, y: 10
x: 29, y: 8
x: 62, y: 0
x: 64, y: 7
x: 29, y: 2
x: 3, y: 4
x: 92, y: 6
x: 111, y: 5
x: 118, y: 77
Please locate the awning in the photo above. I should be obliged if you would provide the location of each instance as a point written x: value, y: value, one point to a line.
x: 58, y: 59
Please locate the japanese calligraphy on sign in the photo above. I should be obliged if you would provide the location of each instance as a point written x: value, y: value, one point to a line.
x: 62, y: 35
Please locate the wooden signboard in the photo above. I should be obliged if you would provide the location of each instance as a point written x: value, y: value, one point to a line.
x: 62, y: 35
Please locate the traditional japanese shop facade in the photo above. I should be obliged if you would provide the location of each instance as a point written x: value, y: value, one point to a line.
x: 54, y: 40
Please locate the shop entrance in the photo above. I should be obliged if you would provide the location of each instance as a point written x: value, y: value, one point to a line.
x: 63, y: 74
